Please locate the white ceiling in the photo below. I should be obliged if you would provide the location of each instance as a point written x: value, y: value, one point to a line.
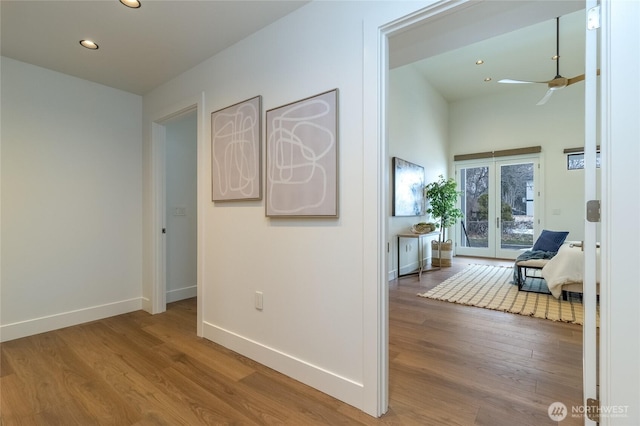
x: 139, y: 48
x: 143, y: 48
x: 516, y: 40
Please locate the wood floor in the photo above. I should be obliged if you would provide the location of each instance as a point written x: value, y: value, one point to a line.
x: 449, y: 365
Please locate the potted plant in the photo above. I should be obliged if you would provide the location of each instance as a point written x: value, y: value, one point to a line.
x: 441, y: 197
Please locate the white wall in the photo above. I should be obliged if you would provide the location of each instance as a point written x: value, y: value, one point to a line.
x: 418, y: 120
x: 71, y: 200
x: 311, y: 271
x: 425, y: 129
x: 324, y: 303
x: 181, y: 215
x: 513, y: 120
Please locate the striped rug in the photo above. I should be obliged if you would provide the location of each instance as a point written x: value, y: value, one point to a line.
x: 490, y: 287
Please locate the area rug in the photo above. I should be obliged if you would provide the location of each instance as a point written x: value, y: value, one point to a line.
x: 491, y: 287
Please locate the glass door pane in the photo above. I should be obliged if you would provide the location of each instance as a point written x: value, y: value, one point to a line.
x: 475, y: 233
x: 516, y: 208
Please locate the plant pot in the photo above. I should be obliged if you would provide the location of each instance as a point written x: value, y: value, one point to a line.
x: 441, y: 253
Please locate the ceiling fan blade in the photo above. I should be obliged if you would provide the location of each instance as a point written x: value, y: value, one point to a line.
x: 510, y: 81
x: 575, y: 79
x: 546, y: 97
x: 579, y: 78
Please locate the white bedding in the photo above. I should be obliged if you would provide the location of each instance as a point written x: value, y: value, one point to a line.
x: 566, y: 267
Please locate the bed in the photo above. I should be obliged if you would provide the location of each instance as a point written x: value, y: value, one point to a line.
x: 565, y: 270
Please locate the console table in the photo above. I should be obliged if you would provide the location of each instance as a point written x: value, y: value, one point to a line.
x: 421, y: 266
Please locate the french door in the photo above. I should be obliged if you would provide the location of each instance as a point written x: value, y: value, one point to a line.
x: 500, y: 203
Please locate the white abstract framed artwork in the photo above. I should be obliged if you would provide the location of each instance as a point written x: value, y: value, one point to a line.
x: 236, y: 151
x: 408, y: 188
x: 302, y: 158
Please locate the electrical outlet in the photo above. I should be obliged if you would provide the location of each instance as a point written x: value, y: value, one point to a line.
x: 258, y: 300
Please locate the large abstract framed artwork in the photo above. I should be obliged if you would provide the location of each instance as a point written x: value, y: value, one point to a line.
x: 408, y: 187
x: 236, y: 151
x: 302, y: 158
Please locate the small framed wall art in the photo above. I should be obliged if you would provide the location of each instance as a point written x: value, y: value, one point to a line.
x: 302, y: 158
x: 236, y: 151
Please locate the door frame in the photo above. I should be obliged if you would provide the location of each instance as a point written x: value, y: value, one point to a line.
x: 589, y: 328
x: 619, y: 349
x: 421, y: 17
x: 157, y: 300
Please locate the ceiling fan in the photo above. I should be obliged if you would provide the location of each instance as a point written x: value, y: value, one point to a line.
x: 556, y: 83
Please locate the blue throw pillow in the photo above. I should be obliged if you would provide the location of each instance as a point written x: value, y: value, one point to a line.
x: 550, y: 240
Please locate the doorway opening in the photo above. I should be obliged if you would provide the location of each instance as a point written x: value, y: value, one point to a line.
x: 181, y: 207
x: 446, y: 30
x: 177, y: 201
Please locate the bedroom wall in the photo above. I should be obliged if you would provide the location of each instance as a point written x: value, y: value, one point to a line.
x: 71, y: 200
x: 513, y: 120
x: 315, y: 274
x: 418, y: 120
x: 425, y: 127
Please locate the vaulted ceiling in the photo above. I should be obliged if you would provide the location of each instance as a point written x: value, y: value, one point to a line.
x: 515, y: 40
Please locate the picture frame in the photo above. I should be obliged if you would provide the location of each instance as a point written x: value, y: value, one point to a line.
x: 236, y: 151
x: 408, y: 188
x: 302, y: 158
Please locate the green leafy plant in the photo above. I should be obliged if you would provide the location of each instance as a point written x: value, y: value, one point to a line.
x: 483, y: 209
x: 441, y: 197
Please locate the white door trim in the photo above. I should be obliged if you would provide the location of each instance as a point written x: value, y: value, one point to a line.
x: 589, y: 332
x: 620, y: 131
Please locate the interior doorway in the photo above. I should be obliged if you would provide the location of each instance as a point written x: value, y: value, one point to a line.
x: 440, y: 29
x: 188, y: 117
x: 181, y: 207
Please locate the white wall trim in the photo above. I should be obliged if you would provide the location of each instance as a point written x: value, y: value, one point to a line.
x: 159, y: 240
x: 330, y: 383
x: 146, y: 304
x: 182, y: 293
x: 30, y: 327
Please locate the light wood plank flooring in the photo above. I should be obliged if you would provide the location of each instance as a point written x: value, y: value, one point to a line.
x: 449, y: 365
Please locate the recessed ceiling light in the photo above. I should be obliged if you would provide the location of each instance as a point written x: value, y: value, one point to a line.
x: 479, y: 62
x: 133, y: 4
x: 487, y: 79
x: 89, y: 44
x: 555, y: 57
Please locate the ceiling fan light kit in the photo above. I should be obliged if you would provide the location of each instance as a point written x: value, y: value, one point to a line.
x: 556, y: 83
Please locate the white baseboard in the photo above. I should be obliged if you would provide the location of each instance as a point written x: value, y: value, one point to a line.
x: 330, y: 383
x: 146, y: 305
x: 65, y: 319
x: 182, y: 293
